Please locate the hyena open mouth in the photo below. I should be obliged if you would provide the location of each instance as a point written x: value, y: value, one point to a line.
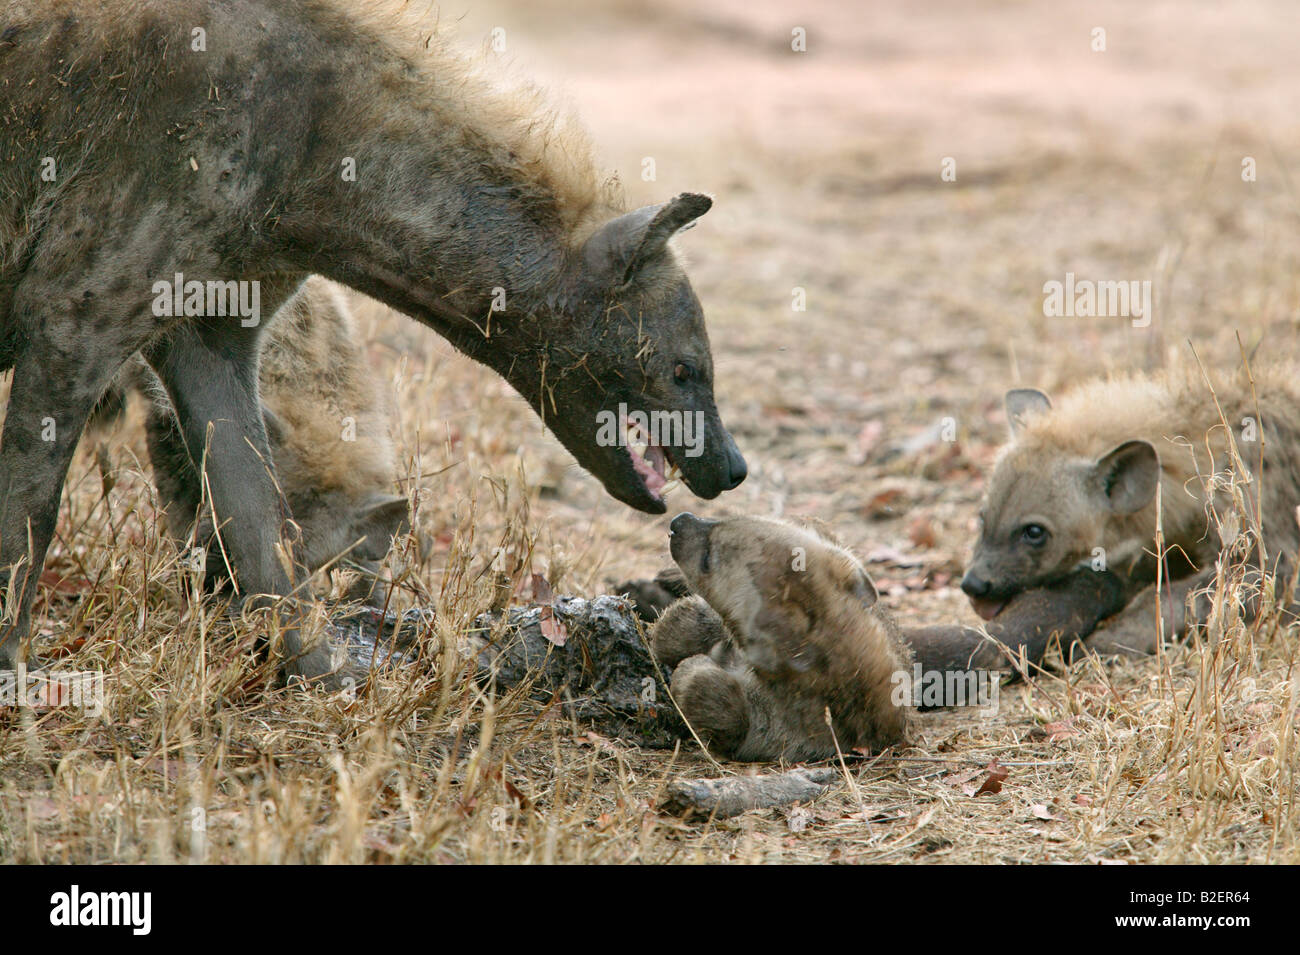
x: 652, y: 462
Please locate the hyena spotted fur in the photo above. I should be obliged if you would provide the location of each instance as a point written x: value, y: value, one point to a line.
x: 270, y: 140
x: 783, y: 652
x: 327, y: 423
x: 1077, y: 484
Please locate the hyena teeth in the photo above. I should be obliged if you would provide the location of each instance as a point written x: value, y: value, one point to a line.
x: 669, y: 486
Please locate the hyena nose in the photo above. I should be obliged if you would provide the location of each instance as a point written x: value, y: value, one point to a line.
x: 737, y: 469
x: 974, y: 586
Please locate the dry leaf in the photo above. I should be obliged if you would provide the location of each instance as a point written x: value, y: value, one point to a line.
x: 883, y: 504
x: 960, y: 779
x: 993, y: 782
x: 798, y: 819
x: 920, y: 531
x: 553, y: 628
x: 43, y: 807
x: 1062, y: 729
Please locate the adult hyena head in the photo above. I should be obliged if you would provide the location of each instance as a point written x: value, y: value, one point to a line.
x: 1049, y: 509
x: 623, y: 374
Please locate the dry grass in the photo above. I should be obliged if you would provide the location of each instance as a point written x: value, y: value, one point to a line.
x: 924, y: 303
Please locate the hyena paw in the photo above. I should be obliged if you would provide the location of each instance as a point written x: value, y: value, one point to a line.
x: 713, y: 703
x: 651, y: 598
x: 324, y: 665
x: 687, y: 628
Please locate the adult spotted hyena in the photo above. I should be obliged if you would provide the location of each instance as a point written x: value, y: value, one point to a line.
x: 261, y: 141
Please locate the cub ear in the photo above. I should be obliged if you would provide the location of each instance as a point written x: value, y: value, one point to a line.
x: 862, y: 587
x: 623, y: 245
x: 1127, y: 477
x: 1022, y: 404
x: 378, y: 521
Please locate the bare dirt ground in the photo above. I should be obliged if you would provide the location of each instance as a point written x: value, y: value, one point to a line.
x: 924, y: 302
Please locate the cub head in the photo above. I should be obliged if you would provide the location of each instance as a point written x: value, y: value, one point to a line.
x: 773, y: 583
x: 1046, y: 509
x: 358, y: 527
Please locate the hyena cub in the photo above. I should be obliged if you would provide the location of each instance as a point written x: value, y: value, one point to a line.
x: 327, y: 424
x: 783, y: 650
x: 1077, y: 485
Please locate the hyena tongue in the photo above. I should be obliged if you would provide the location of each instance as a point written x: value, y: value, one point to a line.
x: 654, y: 480
x: 987, y: 609
x: 650, y: 467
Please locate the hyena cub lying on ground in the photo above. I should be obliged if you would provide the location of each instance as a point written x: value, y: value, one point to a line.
x: 783, y: 650
x: 327, y: 425
x: 1077, y: 484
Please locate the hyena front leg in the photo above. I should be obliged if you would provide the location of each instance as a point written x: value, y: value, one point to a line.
x: 209, y: 369
x: 62, y: 366
x: 1135, y: 631
x: 175, y: 469
x: 180, y: 485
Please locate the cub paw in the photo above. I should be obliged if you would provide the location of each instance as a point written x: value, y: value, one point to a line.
x: 713, y: 703
x: 652, y: 597
x: 687, y: 628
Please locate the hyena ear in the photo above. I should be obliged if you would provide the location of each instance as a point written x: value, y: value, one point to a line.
x: 1128, y: 476
x: 1022, y: 404
x: 379, y: 520
x: 863, y: 588
x: 623, y: 245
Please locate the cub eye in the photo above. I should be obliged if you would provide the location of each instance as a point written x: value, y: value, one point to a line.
x: 1034, y: 534
x: 683, y: 371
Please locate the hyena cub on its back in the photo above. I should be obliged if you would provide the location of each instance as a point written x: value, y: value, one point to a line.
x: 784, y: 627
x: 328, y: 428
x: 1078, y: 483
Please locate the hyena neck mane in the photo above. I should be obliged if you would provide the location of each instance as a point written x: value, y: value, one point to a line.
x: 452, y: 197
x: 347, y: 139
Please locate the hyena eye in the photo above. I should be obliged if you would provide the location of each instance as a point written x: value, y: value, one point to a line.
x: 1035, y: 535
x: 683, y: 372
